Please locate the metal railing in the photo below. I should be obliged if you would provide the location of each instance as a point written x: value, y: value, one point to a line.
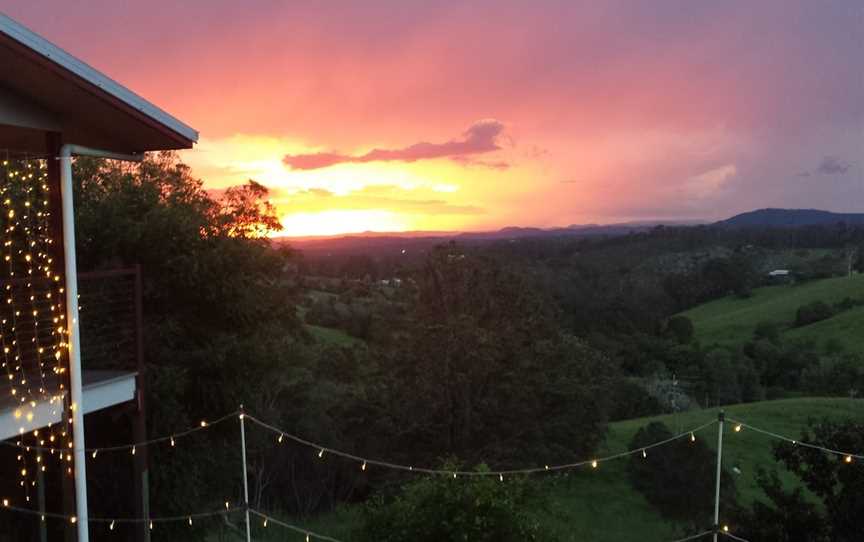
x: 111, y: 319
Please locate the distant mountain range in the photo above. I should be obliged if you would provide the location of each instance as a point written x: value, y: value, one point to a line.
x: 397, y: 241
x: 507, y: 232
x: 783, y: 218
x: 366, y: 241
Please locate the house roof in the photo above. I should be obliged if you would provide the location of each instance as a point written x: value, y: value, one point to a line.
x: 88, y: 107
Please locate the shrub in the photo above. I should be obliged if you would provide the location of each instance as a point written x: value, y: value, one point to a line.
x: 768, y: 331
x: 813, y: 312
x: 835, y: 513
x: 788, y: 516
x: 681, y: 328
x: 678, y: 478
x: 441, y: 509
x: 631, y: 400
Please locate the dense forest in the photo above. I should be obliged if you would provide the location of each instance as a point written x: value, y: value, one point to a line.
x: 505, y: 353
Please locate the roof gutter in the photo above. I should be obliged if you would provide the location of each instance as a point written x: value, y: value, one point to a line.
x: 72, y: 323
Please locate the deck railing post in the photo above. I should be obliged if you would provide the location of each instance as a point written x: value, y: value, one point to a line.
x: 721, y: 417
x: 245, y: 477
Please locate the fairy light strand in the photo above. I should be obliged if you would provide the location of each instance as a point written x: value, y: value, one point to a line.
x: 132, y: 446
x: 845, y: 455
x: 732, y: 536
x: 365, y: 462
x: 268, y: 519
x: 694, y: 536
x: 109, y: 520
x: 27, y: 250
x: 32, y: 333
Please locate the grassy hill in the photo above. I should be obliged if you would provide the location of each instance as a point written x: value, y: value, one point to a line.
x: 329, y: 335
x: 731, y: 320
x: 846, y: 327
x: 599, y: 504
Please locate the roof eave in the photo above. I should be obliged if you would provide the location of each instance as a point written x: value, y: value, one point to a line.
x: 96, y: 82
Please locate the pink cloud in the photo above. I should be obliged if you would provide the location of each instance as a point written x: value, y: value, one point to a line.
x: 480, y: 137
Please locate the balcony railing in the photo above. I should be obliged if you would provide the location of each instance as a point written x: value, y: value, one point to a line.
x: 111, y: 331
x: 111, y: 319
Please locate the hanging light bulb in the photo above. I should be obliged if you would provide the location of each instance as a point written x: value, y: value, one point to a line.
x: 593, y: 463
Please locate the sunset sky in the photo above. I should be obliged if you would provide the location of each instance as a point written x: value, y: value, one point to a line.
x: 408, y: 115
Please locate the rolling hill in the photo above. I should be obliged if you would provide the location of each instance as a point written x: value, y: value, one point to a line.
x: 790, y: 218
x: 600, y: 505
x: 731, y: 320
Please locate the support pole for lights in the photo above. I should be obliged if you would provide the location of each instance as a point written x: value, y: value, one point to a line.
x: 76, y: 394
x: 245, y: 479
x: 721, y: 417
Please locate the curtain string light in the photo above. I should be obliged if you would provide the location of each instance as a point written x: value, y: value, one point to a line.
x: 32, y: 314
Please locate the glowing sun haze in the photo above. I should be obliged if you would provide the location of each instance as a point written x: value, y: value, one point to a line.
x: 400, y: 115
